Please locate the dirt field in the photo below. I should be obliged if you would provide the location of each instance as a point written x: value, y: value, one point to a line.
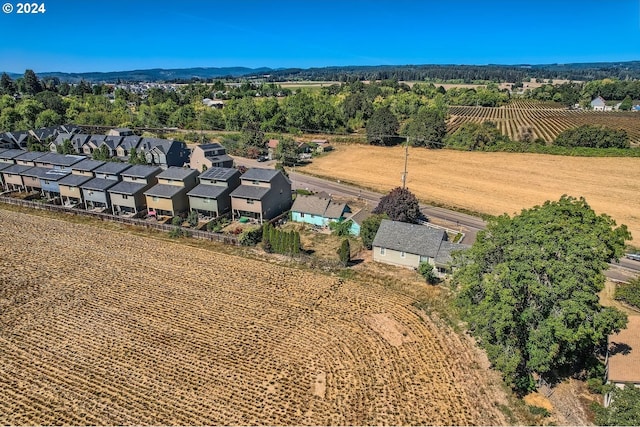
x: 492, y: 183
x: 101, y: 327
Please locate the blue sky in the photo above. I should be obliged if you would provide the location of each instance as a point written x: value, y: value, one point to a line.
x: 115, y: 35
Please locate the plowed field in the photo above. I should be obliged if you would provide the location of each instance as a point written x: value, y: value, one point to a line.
x: 103, y: 327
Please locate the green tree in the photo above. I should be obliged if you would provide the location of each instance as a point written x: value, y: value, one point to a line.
x: 476, y: 136
x: 344, y: 253
x: 341, y: 228
x: 624, y: 409
x: 529, y: 288
x: 102, y: 153
x: 593, y: 136
x: 629, y: 292
x: 382, y: 127
x: 66, y: 147
x: 426, y: 129
x: 400, y: 205
x: 369, y: 228
x: 31, y: 83
x: 426, y: 270
x: 48, y: 118
x: 626, y: 103
x: 287, y: 151
x: 7, y: 86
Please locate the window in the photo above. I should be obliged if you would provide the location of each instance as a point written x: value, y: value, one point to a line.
x: 46, y: 182
x: 383, y: 251
x: 301, y: 215
x: 125, y: 197
x: 402, y: 255
x: 250, y: 202
x: 256, y: 182
x: 206, y: 201
x: 154, y: 198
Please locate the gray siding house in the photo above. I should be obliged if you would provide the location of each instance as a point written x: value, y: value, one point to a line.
x: 262, y: 194
x: 211, y: 197
x: 407, y: 245
x: 111, y: 170
x: 70, y: 191
x: 95, y: 193
x: 127, y: 196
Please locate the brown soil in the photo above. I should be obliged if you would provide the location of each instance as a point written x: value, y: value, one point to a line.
x: 106, y: 328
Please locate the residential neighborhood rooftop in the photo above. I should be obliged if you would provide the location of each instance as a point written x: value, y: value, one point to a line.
x: 219, y: 174
x: 127, y: 187
x: 61, y: 159
x: 74, y: 180
x: 205, y: 190
x: 112, y: 168
x: 29, y: 155
x: 16, y: 169
x: 11, y: 154
x: 141, y: 171
x: 250, y: 192
x: 99, y: 184
x: 87, y: 165
x: 412, y: 238
x: 46, y: 173
x: 164, y: 190
x: 175, y: 172
x: 260, y: 174
x: 312, y: 205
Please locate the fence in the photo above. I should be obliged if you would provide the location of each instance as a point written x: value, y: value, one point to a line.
x: 197, y: 234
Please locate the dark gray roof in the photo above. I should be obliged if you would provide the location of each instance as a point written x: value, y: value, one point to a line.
x: 164, y: 190
x: 444, y: 253
x: 312, y: 205
x: 112, y: 168
x: 206, y: 190
x: 112, y: 141
x: 250, y: 192
x: 141, y: 171
x: 16, y: 169
x: 220, y: 158
x: 99, y: 184
x: 11, y: 154
x: 219, y: 174
x: 4, y: 165
x: 127, y: 187
x: 74, y: 180
x: 30, y: 155
x: 46, y: 173
x: 410, y: 238
x: 210, y: 146
x: 87, y: 165
x: 60, y: 159
x: 175, y: 172
x: 260, y: 174
x: 130, y: 141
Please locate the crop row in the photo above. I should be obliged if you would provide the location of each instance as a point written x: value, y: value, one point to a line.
x: 545, y: 123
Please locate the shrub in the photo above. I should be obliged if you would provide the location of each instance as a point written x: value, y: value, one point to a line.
x: 345, y: 252
x: 629, y: 292
x: 426, y: 270
x: 251, y: 237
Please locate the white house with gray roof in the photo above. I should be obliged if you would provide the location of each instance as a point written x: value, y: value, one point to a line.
x: 262, y: 194
x: 407, y: 245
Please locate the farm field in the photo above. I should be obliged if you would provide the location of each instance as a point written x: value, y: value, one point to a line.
x: 102, y: 327
x: 545, y: 119
x: 492, y: 183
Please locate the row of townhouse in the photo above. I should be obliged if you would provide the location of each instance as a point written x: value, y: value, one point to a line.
x: 118, y: 143
x: 130, y: 190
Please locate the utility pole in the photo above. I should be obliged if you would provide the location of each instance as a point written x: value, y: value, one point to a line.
x: 406, y: 157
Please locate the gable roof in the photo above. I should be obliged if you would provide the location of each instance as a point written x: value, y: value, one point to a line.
x: 164, y: 190
x: 16, y: 169
x: 311, y: 205
x: 250, y: 192
x: 130, y: 141
x: 210, y: 146
x: 336, y: 210
x: 360, y: 216
x: 11, y: 154
x: 411, y: 238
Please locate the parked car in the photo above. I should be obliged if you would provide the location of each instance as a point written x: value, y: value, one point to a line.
x: 262, y: 158
x: 635, y: 257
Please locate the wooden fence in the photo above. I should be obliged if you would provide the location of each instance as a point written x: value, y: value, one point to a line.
x: 196, y: 234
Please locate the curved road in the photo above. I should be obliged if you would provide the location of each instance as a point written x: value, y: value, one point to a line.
x: 468, y: 224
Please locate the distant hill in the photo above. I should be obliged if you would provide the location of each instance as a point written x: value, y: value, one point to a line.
x: 153, y: 75
x: 463, y: 73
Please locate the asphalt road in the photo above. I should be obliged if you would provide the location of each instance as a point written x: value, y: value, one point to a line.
x: 468, y: 224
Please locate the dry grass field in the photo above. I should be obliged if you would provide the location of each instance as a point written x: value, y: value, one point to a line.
x: 492, y: 183
x: 103, y: 327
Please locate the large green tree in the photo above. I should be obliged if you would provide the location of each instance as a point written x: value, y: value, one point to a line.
x: 624, y: 409
x: 382, y: 127
x: 593, y: 136
x: 399, y: 205
x: 427, y: 128
x: 529, y: 285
